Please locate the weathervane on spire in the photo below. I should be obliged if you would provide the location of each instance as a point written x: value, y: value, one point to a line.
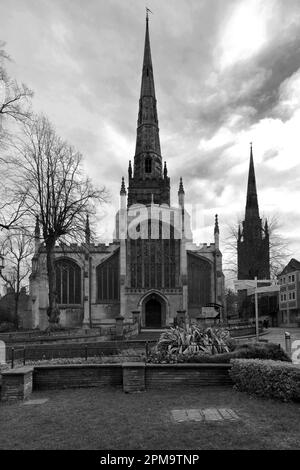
x: 147, y: 13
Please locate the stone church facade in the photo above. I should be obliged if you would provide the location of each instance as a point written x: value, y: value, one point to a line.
x: 152, y: 266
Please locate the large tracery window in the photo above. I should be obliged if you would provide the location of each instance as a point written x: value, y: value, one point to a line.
x: 68, y: 282
x: 108, y: 285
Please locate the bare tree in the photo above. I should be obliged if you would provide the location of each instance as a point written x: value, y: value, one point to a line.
x: 279, y: 247
x: 14, y: 98
x: 17, y: 247
x: 54, y: 189
x: 15, y: 109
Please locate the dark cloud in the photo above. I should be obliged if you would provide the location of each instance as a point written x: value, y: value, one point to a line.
x: 84, y: 61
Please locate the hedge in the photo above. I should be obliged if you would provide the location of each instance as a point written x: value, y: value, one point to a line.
x: 247, y: 351
x: 266, y: 378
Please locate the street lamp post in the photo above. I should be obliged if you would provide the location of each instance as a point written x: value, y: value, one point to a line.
x: 256, y: 311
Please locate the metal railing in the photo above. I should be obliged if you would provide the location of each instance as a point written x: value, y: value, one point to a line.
x: 122, y: 350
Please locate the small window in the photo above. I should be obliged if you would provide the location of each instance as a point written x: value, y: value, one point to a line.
x: 293, y: 278
x: 148, y: 165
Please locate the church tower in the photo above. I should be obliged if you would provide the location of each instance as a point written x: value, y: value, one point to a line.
x: 253, y: 239
x: 148, y: 182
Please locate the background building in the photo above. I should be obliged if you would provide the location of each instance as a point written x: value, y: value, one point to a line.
x: 289, y: 297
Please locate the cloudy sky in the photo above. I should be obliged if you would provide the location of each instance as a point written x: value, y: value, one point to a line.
x: 227, y: 73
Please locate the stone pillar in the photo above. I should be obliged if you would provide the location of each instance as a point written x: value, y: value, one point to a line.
x: 133, y: 377
x: 119, y: 327
x: 16, y: 384
x: 86, y: 291
x: 2, y: 353
x: 181, y: 318
x: 136, y: 318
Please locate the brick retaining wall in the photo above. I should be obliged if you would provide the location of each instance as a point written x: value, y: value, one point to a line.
x: 77, y: 375
x: 131, y: 376
x: 167, y: 376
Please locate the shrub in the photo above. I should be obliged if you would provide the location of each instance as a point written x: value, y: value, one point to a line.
x: 247, y: 351
x: 261, y: 351
x: 193, y: 339
x: 267, y: 378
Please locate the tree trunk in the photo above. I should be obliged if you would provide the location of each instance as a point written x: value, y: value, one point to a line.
x: 53, y: 310
x: 16, y: 313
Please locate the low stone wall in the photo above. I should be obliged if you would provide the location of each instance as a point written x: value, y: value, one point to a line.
x: 170, y: 376
x: 77, y: 375
x: 131, y: 376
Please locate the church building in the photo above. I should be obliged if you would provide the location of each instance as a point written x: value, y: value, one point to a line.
x: 152, y: 265
x: 253, y: 248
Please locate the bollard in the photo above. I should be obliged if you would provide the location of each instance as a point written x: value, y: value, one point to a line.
x: 86, y: 352
x: 24, y: 356
x: 147, y: 349
x: 288, y: 346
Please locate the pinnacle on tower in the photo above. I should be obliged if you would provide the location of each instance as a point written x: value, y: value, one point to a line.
x: 181, y: 190
x: 123, y: 189
x: 252, y: 203
x: 266, y: 228
x: 129, y: 170
x: 216, y: 230
x: 87, y: 230
x: 165, y: 170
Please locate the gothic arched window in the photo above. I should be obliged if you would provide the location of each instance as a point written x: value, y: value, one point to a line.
x: 108, y: 285
x: 68, y: 282
x: 148, y: 165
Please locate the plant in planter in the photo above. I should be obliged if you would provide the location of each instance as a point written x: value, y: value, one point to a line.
x: 193, y: 340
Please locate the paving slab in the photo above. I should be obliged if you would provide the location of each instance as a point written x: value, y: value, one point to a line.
x: 227, y: 413
x: 194, y: 415
x: 40, y: 401
x: 179, y: 415
x: 212, y: 414
x: 205, y: 414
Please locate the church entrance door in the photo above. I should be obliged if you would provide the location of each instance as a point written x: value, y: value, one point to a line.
x: 153, y: 314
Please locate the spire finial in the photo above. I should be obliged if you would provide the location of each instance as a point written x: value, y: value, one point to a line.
x: 87, y: 230
x: 216, y: 224
x: 147, y: 13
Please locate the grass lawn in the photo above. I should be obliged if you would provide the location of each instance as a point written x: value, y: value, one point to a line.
x: 110, y: 419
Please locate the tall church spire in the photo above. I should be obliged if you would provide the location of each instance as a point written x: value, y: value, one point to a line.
x: 252, y: 246
x: 252, y: 203
x: 147, y: 160
x: 149, y: 178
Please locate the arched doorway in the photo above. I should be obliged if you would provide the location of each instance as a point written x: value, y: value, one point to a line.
x: 153, y: 313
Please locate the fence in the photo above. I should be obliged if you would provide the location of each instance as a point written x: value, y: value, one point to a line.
x: 129, y: 350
